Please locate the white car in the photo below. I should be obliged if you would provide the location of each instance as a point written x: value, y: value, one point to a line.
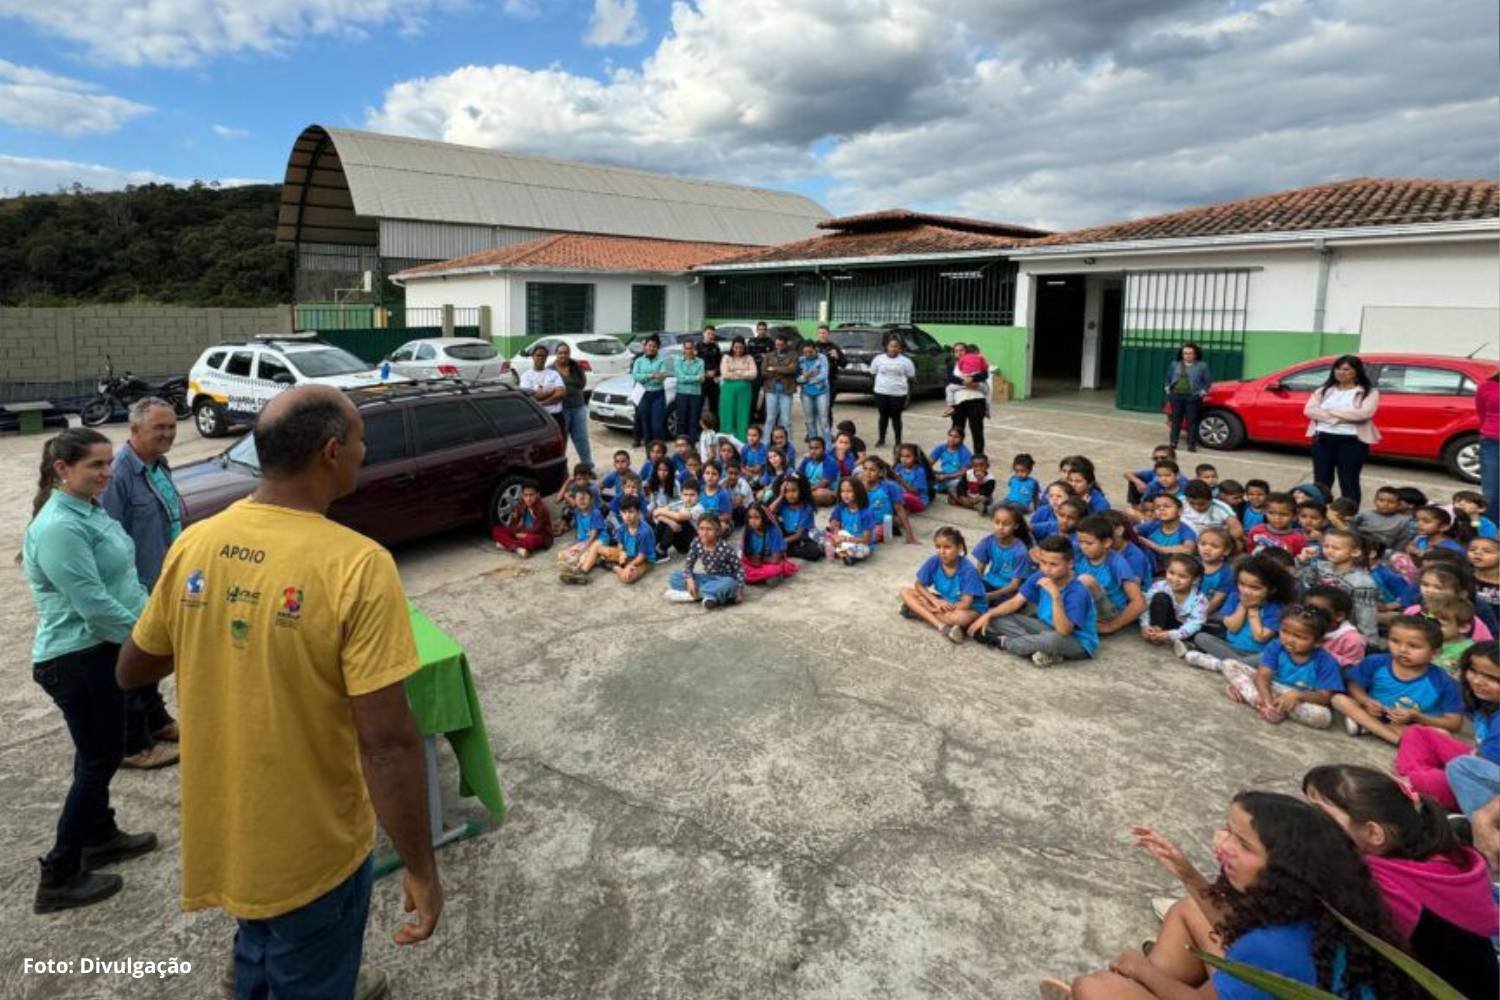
x: 610, y: 404
x: 229, y: 383
x: 600, y: 355
x: 472, y: 359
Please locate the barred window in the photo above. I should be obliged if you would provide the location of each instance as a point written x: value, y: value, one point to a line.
x: 559, y: 307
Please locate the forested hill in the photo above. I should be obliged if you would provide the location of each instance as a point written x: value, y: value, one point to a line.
x: 196, y: 246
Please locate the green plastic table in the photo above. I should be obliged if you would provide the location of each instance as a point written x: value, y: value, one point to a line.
x: 444, y: 703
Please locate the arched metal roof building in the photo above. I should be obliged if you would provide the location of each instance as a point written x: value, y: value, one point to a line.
x: 354, y: 201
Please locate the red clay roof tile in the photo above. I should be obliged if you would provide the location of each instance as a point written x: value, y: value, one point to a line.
x: 580, y: 252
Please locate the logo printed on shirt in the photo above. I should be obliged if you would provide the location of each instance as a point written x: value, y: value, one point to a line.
x: 192, y: 589
x: 242, y: 595
x: 239, y: 632
x: 291, y: 608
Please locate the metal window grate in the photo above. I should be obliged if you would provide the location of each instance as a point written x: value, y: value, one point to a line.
x: 648, y: 308
x: 777, y: 295
x: 1162, y: 310
x: 970, y: 292
x: 559, y: 307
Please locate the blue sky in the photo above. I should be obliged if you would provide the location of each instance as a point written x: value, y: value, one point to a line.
x: 1052, y: 112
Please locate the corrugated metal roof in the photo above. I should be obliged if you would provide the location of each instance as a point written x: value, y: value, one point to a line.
x: 400, y: 178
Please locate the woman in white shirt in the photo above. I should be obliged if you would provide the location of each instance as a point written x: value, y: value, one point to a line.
x: 545, y: 385
x: 1341, y: 423
x: 893, y: 373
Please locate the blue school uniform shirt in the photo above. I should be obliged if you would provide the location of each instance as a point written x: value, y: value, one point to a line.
x: 795, y: 519
x: 753, y: 454
x: 915, y: 479
x: 1112, y: 572
x: 763, y: 544
x: 791, y: 455
x: 1433, y: 693
x: 585, y: 524
x: 1241, y: 638
x: 1022, y: 490
x: 1220, y: 581
x: 1320, y: 672
x: 949, y: 461
x: 883, y: 500
x: 1139, y: 560
x: 952, y: 587
x: 1487, y: 734
x: 819, y: 472
x: 1285, y: 949
x: 717, y: 504
x: 1098, y: 502
x: 853, y: 522
x: 1422, y: 543
x: 611, y: 481
x: 648, y: 471
x: 1076, y: 601
x: 1486, y: 528
x: 1390, y: 584
x: 1154, y: 489
x: 641, y: 541
x: 1000, y: 564
x: 1252, y: 517
x: 614, y: 506
x: 1043, y: 522
x: 1154, y: 531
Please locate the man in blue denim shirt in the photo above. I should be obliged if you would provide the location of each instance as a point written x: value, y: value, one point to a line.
x: 142, y: 498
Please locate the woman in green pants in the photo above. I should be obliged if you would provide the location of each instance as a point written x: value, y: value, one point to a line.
x: 737, y: 373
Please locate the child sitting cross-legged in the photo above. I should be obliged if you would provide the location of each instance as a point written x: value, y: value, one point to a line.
x: 1175, y: 608
x: 713, y: 573
x: 1114, y: 585
x: 1065, y: 623
x: 589, y: 525
x: 1295, y: 678
x: 884, y: 494
x: 821, y: 473
x: 851, y: 526
x: 1004, y: 555
x: 1388, y: 692
x: 763, y: 549
x: 975, y: 489
x: 1343, y: 641
x: 628, y: 555
x: 1166, y: 534
x: 1340, y: 563
x: 1252, y: 615
x: 949, y: 461
x: 1426, y: 755
x: 676, y: 522
x: 949, y: 594
x: 795, y: 516
x: 528, y: 529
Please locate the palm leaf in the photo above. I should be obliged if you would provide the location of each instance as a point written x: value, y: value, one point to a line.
x: 1425, y: 977
x: 1276, y: 985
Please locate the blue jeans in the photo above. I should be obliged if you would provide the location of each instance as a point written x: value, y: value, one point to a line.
x: 778, y: 412
x: 815, y: 414
x: 1489, y: 474
x: 1473, y: 781
x: 689, y: 412
x: 651, y: 411
x: 576, y: 427
x: 720, y: 589
x: 311, y: 953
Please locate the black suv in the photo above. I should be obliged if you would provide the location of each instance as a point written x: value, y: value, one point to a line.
x: 860, y: 342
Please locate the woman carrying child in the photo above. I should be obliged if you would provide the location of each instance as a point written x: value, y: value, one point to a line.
x: 763, y: 549
x: 722, y: 578
x: 949, y: 594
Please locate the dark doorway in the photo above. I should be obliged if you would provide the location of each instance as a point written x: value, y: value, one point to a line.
x: 1058, y: 333
x: 1109, y: 335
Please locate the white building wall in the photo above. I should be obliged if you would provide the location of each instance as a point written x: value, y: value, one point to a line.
x: 1438, y: 276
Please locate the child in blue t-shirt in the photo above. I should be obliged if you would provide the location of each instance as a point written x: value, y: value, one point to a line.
x: 912, y: 473
x: 1251, y: 615
x: 1427, y: 756
x: 716, y: 500
x: 1257, y: 492
x: 1215, y: 546
x: 753, y: 455
x: 1390, y: 691
x: 821, y: 473
x: 1021, y: 489
x: 1044, y: 518
x: 629, y: 553
x: 1004, y: 555
x: 1116, y: 587
x: 1296, y: 679
x: 851, y: 526
x: 609, y: 486
x: 1166, y: 535
x: 1065, y: 623
x: 781, y: 439
x: 589, y: 525
x: 795, y: 515
x: 763, y: 549
x: 655, y: 452
x: 949, y: 594
x: 949, y: 461
x: 885, y: 500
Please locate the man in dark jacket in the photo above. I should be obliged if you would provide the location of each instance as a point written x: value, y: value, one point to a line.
x: 711, y: 353
x: 835, y: 356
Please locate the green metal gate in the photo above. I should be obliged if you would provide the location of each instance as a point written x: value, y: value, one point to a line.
x: 1166, y: 308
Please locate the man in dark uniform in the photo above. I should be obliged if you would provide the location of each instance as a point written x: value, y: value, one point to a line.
x: 711, y: 353
x: 758, y: 347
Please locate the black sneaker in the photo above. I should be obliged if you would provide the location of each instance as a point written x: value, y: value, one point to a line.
x: 907, y: 612
x: 121, y: 847
x: 81, y: 889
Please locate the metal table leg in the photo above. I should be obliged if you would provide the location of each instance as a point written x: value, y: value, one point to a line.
x: 388, y: 863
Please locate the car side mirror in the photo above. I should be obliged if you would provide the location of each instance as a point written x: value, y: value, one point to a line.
x: 1276, y: 387
x: 283, y: 378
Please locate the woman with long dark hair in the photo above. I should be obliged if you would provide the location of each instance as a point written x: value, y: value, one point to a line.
x: 1284, y: 866
x: 1341, y: 422
x: 575, y: 406
x: 737, y: 374
x: 80, y: 564
x: 1188, y: 381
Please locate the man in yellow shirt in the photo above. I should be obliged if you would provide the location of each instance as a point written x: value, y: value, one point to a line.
x: 290, y: 637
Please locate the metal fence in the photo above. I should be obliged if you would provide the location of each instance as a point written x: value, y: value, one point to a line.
x: 323, y: 316
x: 1164, y: 309
x: 979, y: 293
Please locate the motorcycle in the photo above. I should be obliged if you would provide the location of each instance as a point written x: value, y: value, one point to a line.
x: 122, y: 390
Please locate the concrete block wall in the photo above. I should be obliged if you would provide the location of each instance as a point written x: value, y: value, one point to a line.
x: 70, y: 344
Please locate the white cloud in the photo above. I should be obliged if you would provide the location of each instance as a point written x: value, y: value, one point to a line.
x: 615, y: 22
x: 1009, y: 109
x: 231, y: 132
x: 41, y: 176
x: 34, y: 98
x: 185, y: 32
x: 526, y: 10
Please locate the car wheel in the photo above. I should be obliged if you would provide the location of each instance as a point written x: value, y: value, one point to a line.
x: 210, y: 418
x: 1462, y: 457
x: 503, y: 500
x: 1221, y: 430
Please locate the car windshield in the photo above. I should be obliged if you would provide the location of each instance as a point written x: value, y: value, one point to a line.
x: 859, y: 340
x: 244, y: 453
x: 326, y: 361
x: 471, y: 352
x: 604, y: 345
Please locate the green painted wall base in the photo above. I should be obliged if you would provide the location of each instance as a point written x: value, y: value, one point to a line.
x: 1004, y: 346
x: 1269, y: 350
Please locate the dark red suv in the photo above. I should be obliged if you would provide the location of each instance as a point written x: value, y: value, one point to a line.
x: 439, y: 455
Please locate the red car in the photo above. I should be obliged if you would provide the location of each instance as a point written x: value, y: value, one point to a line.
x: 1426, y: 408
x: 437, y: 456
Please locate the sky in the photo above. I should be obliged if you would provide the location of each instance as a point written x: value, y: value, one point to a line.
x: 1055, y: 113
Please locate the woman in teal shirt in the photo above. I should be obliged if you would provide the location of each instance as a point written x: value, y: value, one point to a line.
x: 81, y: 567
x: 650, y: 373
x: 689, y: 373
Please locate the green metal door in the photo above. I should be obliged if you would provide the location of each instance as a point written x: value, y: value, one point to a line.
x: 648, y: 308
x: 1167, y: 308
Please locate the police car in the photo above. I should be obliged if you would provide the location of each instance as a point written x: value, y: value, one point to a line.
x: 229, y: 383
